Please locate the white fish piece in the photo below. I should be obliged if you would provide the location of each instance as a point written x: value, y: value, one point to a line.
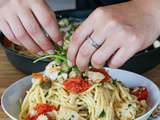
x: 33, y: 112
x: 42, y: 117
x: 51, y: 75
x: 52, y: 70
x: 95, y: 76
x: 68, y: 114
x: 64, y: 76
x: 73, y: 74
x: 126, y: 111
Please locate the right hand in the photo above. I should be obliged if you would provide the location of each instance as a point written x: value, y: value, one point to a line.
x: 22, y: 21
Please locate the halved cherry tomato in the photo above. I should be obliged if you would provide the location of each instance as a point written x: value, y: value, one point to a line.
x: 141, y: 93
x: 103, y: 71
x: 42, y: 108
x: 37, y: 75
x: 76, y: 85
x: 32, y: 118
x: 49, y: 118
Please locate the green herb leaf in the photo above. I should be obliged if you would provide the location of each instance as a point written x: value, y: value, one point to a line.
x: 129, y: 105
x: 75, y: 68
x: 102, y: 114
x: 58, y: 47
x: 42, y: 58
x: 46, y: 94
x: 60, y: 57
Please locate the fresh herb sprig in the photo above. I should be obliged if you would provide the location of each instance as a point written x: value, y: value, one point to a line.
x: 54, y: 56
x: 102, y: 114
x: 60, y: 56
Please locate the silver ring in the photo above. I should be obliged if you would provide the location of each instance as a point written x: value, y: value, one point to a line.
x: 94, y: 43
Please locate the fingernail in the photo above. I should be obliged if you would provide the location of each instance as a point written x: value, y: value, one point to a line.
x: 50, y: 51
x: 41, y: 53
x: 59, y: 43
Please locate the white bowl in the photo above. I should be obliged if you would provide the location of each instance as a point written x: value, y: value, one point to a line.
x: 17, y: 91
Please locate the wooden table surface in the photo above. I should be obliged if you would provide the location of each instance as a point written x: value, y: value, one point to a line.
x: 8, y: 75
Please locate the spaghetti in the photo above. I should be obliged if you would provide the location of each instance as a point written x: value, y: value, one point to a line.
x: 73, y: 95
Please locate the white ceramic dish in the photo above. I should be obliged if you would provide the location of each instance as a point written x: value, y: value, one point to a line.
x: 17, y: 91
x: 157, y: 118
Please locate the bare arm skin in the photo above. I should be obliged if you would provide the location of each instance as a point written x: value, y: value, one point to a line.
x: 122, y: 30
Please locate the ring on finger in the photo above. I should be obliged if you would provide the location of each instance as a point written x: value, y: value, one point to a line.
x: 94, y: 43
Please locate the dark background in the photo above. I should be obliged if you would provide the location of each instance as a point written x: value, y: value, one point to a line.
x: 92, y: 4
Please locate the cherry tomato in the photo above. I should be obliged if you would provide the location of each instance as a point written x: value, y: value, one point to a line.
x: 49, y: 118
x: 103, y: 71
x: 42, y: 108
x: 37, y: 75
x: 76, y: 85
x: 32, y: 118
x: 141, y: 93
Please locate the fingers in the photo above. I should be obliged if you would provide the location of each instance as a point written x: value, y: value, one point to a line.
x: 87, y: 50
x: 122, y: 40
x: 110, y: 46
x: 21, y: 35
x: 23, y: 21
x: 5, y: 28
x: 130, y: 44
x: 78, y: 37
x: 47, y: 19
x: 104, y: 53
x: 111, y: 49
x: 33, y: 29
x: 121, y: 56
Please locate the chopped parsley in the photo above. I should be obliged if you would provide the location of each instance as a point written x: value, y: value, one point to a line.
x: 102, y: 114
x: 129, y: 105
x: 46, y: 94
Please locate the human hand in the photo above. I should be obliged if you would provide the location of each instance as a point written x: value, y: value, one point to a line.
x: 24, y: 22
x: 113, y: 34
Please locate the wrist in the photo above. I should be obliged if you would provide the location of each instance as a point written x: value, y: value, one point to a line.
x: 151, y: 8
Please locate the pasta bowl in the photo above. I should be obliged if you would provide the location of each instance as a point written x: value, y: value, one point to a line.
x: 16, y: 91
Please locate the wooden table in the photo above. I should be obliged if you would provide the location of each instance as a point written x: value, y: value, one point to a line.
x: 8, y: 75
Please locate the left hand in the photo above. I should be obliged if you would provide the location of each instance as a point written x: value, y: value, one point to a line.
x: 120, y: 31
